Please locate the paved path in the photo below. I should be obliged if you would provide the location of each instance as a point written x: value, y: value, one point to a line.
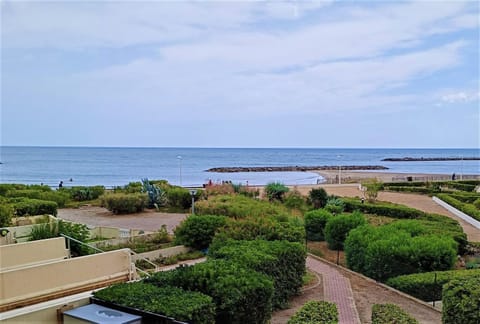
x: 337, y: 290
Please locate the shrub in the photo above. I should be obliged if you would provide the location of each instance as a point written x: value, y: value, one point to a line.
x: 120, y: 203
x: 294, y: 200
x: 6, y: 214
x: 60, y: 197
x: 383, y: 209
x: 197, y: 231
x: 173, y: 302
x: 282, y: 261
x: 337, y: 228
x: 32, y: 207
x: 179, y: 198
x: 468, y: 209
x: 476, y: 203
x: 372, y: 189
x: 461, y: 301
x: 43, y: 231
x: 77, y: 231
x: 318, y: 197
x: 315, y: 312
x: 335, y: 205
x: 132, y: 187
x: 240, y: 294
x: 81, y: 193
x: 315, y: 222
x: 275, y: 191
x: 267, y: 228
x: 425, y: 286
x: 390, y: 313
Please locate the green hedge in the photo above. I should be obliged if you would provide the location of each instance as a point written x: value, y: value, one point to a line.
x: 267, y: 228
x: 423, y: 285
x: 468, y: 209
x: 60, y: 197
x: 197, y: 231
x: 461, y: 301
x: 389, y: 251
x: 338, y: 227
x: 282, y: 261
x: 81, y: 193
x: 381, y: 208
x: 315, y: 222
x: 390, y: 313
x: 179, y: 304
x: 120, y: 203
x: 26, y: 206
x: 409, y: 189
x: 240, y: 294
x: 316, y: 312
x: 179, y: 197
x: 6, y: 214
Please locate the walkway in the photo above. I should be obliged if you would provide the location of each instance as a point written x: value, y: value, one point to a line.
x: 337, y: 290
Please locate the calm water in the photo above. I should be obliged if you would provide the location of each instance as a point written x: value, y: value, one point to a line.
x: 118, y: 166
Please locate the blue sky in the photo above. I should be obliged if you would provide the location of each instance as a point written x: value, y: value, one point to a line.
x: 240, y: 74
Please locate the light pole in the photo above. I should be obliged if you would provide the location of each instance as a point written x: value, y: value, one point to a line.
x: 179, y: 157
x: 461, y: 169
x: 339, y: 170
x: 193, y: 192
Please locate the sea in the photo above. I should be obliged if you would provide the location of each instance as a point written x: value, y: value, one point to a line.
x: 117, y: 166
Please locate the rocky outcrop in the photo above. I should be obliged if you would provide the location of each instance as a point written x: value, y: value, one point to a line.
x: 296, y: 168
x: 411, y: 159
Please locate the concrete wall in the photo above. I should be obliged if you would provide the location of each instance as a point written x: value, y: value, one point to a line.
x: 29, y: 253
x: 472, y: 221
x: 31, y: 284
x: 21, y: 233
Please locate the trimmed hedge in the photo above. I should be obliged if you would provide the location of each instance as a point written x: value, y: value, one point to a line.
x: 120, y: 203
x: 179, y: 197
x: 338, y: 227
x: 461, y: 301
x: 26, y: 206
x: 81, y: 193
x: 282, y: 261
x: 409, y: 189
x: 240, y: 294
x: 193, y: 307
x: 316, y: 312
x: 389, y: 251
x: 60, y: 197
x: 423, y: 285
x: 197, y: 231
x: 390, y: 313
x: 315, y: 222
x: 381, y: 208
x: 468, y: 209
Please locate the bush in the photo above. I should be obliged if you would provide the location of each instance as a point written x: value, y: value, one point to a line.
x: 390, y: 313
x: 60, y: 197
x: 173, y: 302
x: 282, y: 261
x: 315, y: 312
x: 267, y: 228
x: 240, y: 294
x: 294, y: 200
x: 318, y: 197
x: 6, y: 214
x: 77, y: 231
x: 383, y: 209
x: 275, y: 191
x: 372, y: 188
x: 467, y: 208
x: 425, y: 286
x: 337, y: 228
x: 81, y: 193
x: 315, y: 222
x: 32, y: 207
x: 120, y: 203
x: 43, y: 231
x: 461, y: 301
x: 197, y: 231
x: 335, y: 205
x: 386, y: 251
x: 179, y: 198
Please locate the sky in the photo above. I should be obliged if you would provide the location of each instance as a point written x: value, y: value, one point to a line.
x: 386, y: 74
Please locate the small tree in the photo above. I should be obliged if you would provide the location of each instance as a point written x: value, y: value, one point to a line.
x: 275, y: 191
x: 372, y: 189
x: 337, y: 229
x: 335, y: 205
x: 318, y: 197
x: 315, y: 222
x: 197, y: 231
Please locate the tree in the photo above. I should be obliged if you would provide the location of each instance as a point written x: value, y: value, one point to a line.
x: 372, y: 189
x: 275, y: 191
x: 318, y: 197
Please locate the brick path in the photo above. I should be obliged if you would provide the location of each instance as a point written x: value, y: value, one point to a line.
x: 336, y: 289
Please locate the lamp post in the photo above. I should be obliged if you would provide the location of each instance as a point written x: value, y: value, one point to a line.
x: 339, y: 170
x: 461, y: 169
x: 193, y: 192
x: 179, y: 157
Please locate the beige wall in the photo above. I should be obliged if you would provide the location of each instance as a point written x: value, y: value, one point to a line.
x: 21, y: 285
x: 28, y: 253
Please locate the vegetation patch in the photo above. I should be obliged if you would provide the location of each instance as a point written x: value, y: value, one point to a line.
x: 463, y: 205
x: 461, y: 301
x: 390, y: 313
x: 316, y: 312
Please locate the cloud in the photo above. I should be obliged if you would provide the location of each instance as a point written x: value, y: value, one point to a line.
x: 461, y: 97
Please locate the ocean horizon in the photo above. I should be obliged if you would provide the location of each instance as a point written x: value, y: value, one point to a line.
x: 186, y: 166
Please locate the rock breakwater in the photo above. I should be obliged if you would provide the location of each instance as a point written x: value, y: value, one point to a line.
x: 411, y: 159
x: 296, y: 168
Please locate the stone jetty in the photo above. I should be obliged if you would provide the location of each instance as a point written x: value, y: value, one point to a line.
x: 297, y: 168
x: 411, y: 159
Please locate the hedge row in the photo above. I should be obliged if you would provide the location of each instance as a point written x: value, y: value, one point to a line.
x: 384, y: 209
x: 26, y: 206
x: 468, y: 209
x: 461, y: 301
x: 120, y: 203
x: 316, y: 312
x: 82, y: 193
x: 392, y: 250
x: 192, y: 307
x: 282, y: 261
x: 240, y: 294
x: 61, y: 198
x: 425, y: 286
x: 197, y: 231
x: 409, y: 189
x: 6, y: 214
x: 390, y: 313
x: 338, y: 227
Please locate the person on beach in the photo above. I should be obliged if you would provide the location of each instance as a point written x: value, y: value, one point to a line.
x: 453, y: 176
x: 60, y: 185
